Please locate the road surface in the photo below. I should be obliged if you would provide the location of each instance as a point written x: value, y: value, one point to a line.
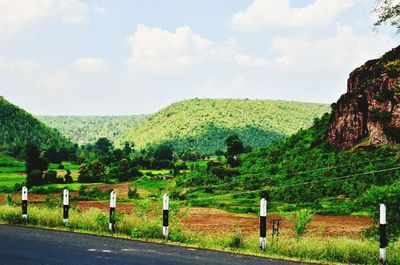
x: 28, y: 246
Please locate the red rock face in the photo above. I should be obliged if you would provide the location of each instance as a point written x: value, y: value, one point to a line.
x: 370, y: 108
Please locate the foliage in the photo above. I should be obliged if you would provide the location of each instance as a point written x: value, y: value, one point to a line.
x: 388, y: 12
x: 133, y: 193
x: 125, y: 170
x: 68, y: 177
x: 202, y: 125
x: 303, y: 170
x: 34, y: 178
x: 301, y: 220
x: 33, y: 159
x: 236, y: 240
x: 390, y: 196
x: 234, y: 147
x: 93, y: 193
x: 139, y: 225
x: 92, y: 172
x: 17, y: 127
x: 103, y: 146
x: 87, y: 129
x: 163, y: 152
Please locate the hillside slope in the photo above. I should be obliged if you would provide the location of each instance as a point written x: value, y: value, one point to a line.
x: 18, y: 127
x: 203, y: 124
x: 87, y: 129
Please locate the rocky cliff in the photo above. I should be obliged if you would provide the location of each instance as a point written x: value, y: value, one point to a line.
x: 370, y: 109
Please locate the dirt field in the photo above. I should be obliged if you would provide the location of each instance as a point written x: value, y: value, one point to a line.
x: 104, y: 206
x: 210, y: 221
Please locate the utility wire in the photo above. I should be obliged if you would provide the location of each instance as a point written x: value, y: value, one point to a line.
x: 300, y: 172
x: 299, y: 184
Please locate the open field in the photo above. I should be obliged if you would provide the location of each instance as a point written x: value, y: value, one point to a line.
x: 203, y: 219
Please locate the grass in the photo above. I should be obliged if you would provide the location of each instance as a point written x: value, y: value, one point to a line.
x: 142, y: 224
x: 10, y: 179
x: 153, y: 185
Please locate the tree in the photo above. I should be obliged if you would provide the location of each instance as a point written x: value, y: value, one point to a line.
x: 125, y: 170
x: 52, y: 155
x: 388, y: 12
x: 68, y: 177
x: 103, y: 146
x: 93, y: 172
x: 234, y: 146
x: 219, y: 152
x: 118, y: 154
x: 128, y: 148
x: 163, y: 152
x: 33, y: 160
x: 51, y: 177
x: 34, y: 178
x: 191, y: 156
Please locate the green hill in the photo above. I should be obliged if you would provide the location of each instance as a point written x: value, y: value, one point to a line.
x: 203, y: 124
x: 87, y: 129
x: 17, y: 127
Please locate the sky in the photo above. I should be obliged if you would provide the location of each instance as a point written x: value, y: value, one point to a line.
x: 103, y: 57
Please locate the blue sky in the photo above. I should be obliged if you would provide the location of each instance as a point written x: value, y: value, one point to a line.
x: 77, y: 57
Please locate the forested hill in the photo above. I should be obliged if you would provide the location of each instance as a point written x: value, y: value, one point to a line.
x: 87, y: 129
x: 17, y: 127
x: 203, y: 124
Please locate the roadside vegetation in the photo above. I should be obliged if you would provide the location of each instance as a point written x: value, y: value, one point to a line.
x: 142, y: 223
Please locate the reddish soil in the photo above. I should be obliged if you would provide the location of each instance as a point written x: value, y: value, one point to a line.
x: 32, y: 197
x: 104, y: 206
x: 212, y: 221
x: 121, y: 189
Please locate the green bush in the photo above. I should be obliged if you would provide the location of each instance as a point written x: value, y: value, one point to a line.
x: 301, y: 220
x: 236, y: 240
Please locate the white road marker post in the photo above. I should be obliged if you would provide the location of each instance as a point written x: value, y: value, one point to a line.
x: 263, y: 224
x: 383, y: 235
x: 113, y: 205
x: 165, y: 215
x: 65, y: 205
x: 24, y: 202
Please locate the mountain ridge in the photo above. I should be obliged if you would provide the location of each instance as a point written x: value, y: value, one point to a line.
x: 203, y: 124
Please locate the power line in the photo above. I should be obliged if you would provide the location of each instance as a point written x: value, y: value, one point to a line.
x: 301, y: 183
x: 300, y: 172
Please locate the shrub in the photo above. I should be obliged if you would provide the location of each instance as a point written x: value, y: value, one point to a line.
x: 301, y: 219
x: 51, y: 202
x: 236, y: 240
x: 133, y: 193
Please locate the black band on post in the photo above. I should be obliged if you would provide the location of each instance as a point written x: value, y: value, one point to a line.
x: 165, y: 217
x: 112, y: 213
x: 383, y: 236
x: 263, y: 226
x: 24, y: 207
x: 65, y: 211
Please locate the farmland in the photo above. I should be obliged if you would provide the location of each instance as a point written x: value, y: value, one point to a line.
x: 223, y: 217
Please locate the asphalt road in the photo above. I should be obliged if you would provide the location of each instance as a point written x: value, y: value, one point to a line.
x: 28, y: 246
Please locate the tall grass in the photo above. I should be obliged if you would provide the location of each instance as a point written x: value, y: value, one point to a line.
x: 145, y: 223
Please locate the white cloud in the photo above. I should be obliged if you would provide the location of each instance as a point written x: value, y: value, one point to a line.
x: 344, y: 50
x: 17, y: 15
x: 160, y: 51
x: 99, y: 10
x: 264, y: 14
x: 90, y: 65
x: 238, y: 82
x: 53, y: 82
x: 246, y: 60
x: 19, y: 66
